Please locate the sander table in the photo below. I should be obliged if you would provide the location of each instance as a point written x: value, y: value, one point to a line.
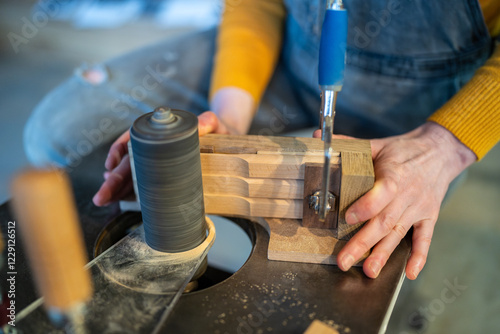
x: 263, y: 296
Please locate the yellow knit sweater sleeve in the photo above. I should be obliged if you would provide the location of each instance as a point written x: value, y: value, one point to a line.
x: 473, y: 114
x: 491, y: 13
x: 249, y: 43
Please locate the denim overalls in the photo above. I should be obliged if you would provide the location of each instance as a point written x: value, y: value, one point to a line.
x: 405, y: 59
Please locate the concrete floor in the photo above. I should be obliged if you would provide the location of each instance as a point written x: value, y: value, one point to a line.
x: 466, y: 247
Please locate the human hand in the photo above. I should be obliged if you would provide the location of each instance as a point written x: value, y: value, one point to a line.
x: 412, y: 174
x: 118, y: 176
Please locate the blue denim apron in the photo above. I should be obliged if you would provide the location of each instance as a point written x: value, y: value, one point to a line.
x: 405, y: 58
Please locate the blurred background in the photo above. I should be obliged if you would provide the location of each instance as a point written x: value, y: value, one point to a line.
x: 458, y: 290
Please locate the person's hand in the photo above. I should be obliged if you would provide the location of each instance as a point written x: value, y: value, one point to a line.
x: 118, y: 177
x: 412, y: 174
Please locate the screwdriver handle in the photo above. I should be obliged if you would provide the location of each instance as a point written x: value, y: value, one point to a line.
x: 332, y: 50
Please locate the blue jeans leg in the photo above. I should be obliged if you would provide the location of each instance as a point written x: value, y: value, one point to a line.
x: 79, y: 116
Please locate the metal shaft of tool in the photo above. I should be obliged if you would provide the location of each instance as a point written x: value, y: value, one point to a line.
x: 329, y: 99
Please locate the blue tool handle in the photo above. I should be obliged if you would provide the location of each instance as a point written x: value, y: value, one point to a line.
x: 332, y: 50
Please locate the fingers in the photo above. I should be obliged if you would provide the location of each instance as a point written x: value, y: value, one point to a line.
x: 422, y: 236
x: 371, y: 234
x: 117, y: 184
x: 374, y: 201
x: 117, y: 151
x: 374, y: 231
x: 126, y: 191
x: 207, y: 123
x: 408, y: 191
x: 383, y: 250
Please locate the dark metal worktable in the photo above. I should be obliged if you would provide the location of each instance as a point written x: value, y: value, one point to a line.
x: 263, y: 296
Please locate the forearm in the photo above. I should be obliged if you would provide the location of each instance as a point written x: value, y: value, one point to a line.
x: 248, y: 46
x: 234, y: 107
x: 473, y: 114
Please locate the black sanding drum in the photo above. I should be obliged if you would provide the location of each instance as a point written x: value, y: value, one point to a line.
x: 166, y: 155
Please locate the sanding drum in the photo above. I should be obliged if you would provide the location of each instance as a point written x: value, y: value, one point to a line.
x: 167, y: 167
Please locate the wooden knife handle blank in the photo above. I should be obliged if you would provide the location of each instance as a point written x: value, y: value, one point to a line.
x: 46, y: 215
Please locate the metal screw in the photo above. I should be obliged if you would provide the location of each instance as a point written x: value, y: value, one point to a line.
x: 314, y: 201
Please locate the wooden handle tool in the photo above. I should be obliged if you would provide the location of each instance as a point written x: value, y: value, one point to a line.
x: 44, y: 206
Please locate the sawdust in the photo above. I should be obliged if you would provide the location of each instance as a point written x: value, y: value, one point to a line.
x: 268, y: 301
x: 133, y: 264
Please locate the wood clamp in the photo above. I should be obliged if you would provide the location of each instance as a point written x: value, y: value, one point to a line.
x: 274, y: 179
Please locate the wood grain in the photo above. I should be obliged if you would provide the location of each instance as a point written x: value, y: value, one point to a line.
x: 289, y: 167
x: 44, y: 205
x: 358, y: 177
x: 252, y: 187
x: 252, y: 207
x: 233, y: 143
x: 290, y: 241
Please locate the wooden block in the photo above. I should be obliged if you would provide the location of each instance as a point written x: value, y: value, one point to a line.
x: 236, y: 150
x: 285, y: 152
x: 318, y: 327
x: 290, y: 241
x: 290, y: 167
x: 207, y: 149
x: 252, y: 207
x: 223, y: 143
x: 252, y: 187
x: 357, y: 178
x: 312, y: 183
x: 236, y: 202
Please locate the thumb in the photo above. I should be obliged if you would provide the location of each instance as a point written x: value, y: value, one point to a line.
x: 207, y: 123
